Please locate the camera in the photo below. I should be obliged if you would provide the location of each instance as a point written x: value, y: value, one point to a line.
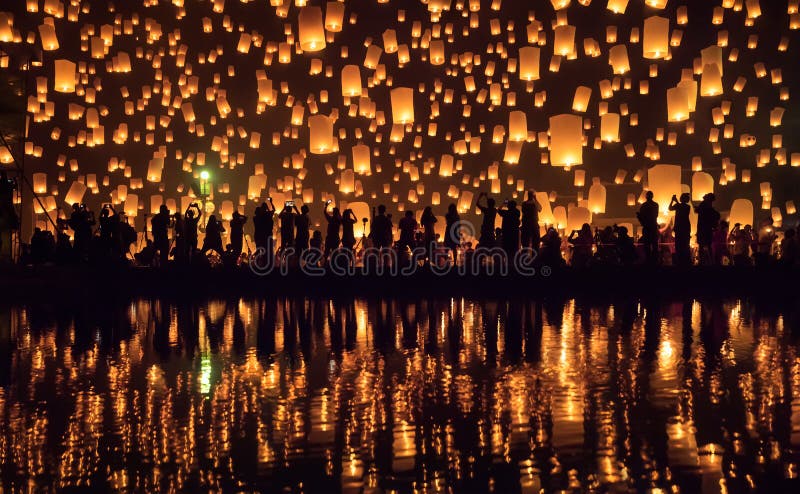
x: 289, y: 204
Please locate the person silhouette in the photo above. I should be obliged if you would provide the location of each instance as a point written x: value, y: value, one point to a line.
x: 529, y: 230
x: 349, y: 221
x: 407, y: 225
x: 648, y: 218
x: 707, y: 221
x: 489, y: 213
x: 160, y: 226
x: 213, y: 238
x: 81, y: 221
x: 381, y: 228
x: 428, y: 222
x: 334, y: 219
x: 452, y: 234
x: 510, y: 226
x: 682, y: 229
x: 191, y: 218
x: 582, y: 241
x: 237, y: 233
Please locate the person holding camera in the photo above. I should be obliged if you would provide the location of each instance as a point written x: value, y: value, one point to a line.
x: 191, y: 218
x: 510, y: 227
x: 237, y: 233
x: 489, y: 212
x: 81, y: 221
x: 334, y: 219
x: 286, y: 217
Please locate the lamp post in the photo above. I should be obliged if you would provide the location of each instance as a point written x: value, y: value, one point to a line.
x: 205, y: 190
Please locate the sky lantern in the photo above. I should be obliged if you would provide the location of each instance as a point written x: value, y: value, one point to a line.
x: 702, y: 184
x: 664, y: 181
x: 712, y: 55
x: 677, y: 104
x: 564, y: 43
x: 361, y: 159
x: 617, y: 6
x: 566, y: 136
x: 311, y: 30
x: 580, y: 102
x: 351, y: 81
x: 609, y: 127
x: 711, y: 81
x: 655, y: 43
x: 402, y: 99
x: 656, y: 4
x: 618, y: 59
x: 690, y: 86
x: 47, y: 33
x: 334, y: 16
x: 320, y: 134
x: 577, y: 217
x: 517, y: 126
x: 64, y: 79
x: 597, y: 197
x: 437, y: 56
x: 742, y: 212
x: 529, y: 63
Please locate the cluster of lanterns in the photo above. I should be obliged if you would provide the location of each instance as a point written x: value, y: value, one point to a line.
x: 405, y: 103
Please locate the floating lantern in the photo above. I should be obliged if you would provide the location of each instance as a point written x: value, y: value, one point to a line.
x: 677, y: 104
x: 741, y: 212
x: 517, y: 126
x: 711, y: 80
x: 402, y: 105
x: 566, y: 137
x: 529, y: 63
x: 609, y: 127
x: 64, y: 79
x: 311, y: 31
x: 702, y: 184
x: 320, y: 134
x: 655, y: 44
x: 664, y: 181
x: 597, y: 197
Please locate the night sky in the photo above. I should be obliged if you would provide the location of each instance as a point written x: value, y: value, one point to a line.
x: 365, y: 22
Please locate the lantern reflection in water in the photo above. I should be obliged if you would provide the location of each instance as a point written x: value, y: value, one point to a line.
x: 265, y: 389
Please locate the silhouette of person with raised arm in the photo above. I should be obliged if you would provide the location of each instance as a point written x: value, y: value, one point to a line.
x: 529, y: 231
x: 452, y: 234
x: 648, y: 218
x: 213, y: 238
x: 334, y: 219
x: 237, y: 233
x: 740, y: 240
x: 682, y: 229
x: 349, y: 221
x: 302, y: 223
x: 178, y: 229
x: 428, y: 221
x: 81, y: 221
x: 489, y: 213
x: 407, y: 225
x: 510, y: 226
x: 582, y: 241
x: 160, y: 226
x: 109, y: 230
x: 707, y: 221
x: 191, y: 218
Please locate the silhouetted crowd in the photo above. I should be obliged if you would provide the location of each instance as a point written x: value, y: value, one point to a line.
x: 173, y: 238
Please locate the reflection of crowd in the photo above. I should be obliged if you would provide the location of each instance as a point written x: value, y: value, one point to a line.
x: 174, y: 237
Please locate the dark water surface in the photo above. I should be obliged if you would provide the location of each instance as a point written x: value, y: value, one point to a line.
x: 376, y: 395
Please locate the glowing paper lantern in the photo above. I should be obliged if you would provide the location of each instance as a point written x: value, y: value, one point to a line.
x: 564, y: 43
x: 741, y: 212
x: 702, y: 184
x: 711, y: 80
x: 529, y: 63
x: 618, y: 59
x: 577, y: 216
x: 677, y: 104
x: 334, y: 16
x: 566, y: 140
x: 312, y: 33
x: 664, y: 181
x: 351, y: 81
x: 75, y: 193
x: 402, y: 105
x: 581, y: 99
x: 609, y: 127
x: 617, y: 6
x: 320, y: 134
x: 361, y: 159
x: 656, y: 38
x: 517, y: 126
x: 597, y: 197
x: 64, y: 76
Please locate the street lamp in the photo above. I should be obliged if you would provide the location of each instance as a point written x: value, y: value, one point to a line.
x: 205, y: 191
